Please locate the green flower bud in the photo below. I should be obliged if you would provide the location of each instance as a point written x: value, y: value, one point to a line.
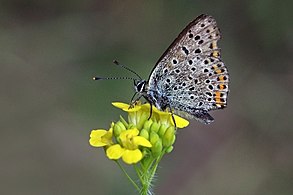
x: 143, y: 118
x: 144, y: 133
x: 169, y: 149
x: 169, y: 137
x: 155, y: 127
x: 118, y: 128
x: 121, y: 125
x: 131, y: 126
x: 123, y: 121
x: 157, y: 149
x: 147, y: 124
x: 154, y: 137
x: 162, y: 130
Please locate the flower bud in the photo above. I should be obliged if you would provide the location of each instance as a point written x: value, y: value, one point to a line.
x: 155, y: 127
x: 154, y: 137
x: 157, y: 148
x: 169, y: 149
x: 162, y: 130
x: 142, y: 119
x: 144, y: 133
x: 118, y: 128
x: 169, y: 137
x: 123, y: 121
x: 147, y: 124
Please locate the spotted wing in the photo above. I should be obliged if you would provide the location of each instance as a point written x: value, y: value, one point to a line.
x: 191, y: 74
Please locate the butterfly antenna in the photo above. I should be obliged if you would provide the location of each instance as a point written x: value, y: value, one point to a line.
x: 113, y: 78
x: 126, y: 68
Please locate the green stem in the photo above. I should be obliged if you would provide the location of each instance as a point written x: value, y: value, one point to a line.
x: 146, y: 180
x: 138, y: 173
x: 128, y: 177
x: 155, y: 166
x: 149, y: 174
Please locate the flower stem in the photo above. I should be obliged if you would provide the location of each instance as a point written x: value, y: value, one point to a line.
x: 149, y: 170
x: 128, y: 177
x: 155, y: 166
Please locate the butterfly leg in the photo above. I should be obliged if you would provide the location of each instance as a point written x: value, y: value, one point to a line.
x: 151, y: 111
x: 151, y: 106
x: 173, y: 118
x: 134, y: 100
x: 172, y: 115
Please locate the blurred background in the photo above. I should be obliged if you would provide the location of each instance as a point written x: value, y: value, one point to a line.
x: 50, y: 50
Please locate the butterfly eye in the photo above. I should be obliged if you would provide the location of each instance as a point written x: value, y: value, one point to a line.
x: 140, y: 86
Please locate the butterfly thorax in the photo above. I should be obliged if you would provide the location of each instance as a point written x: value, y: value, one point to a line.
x: 153, y: 96
x: 158, y: 99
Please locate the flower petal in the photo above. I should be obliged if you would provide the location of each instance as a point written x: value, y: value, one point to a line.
x: 180, y: 122
x: 160, y: 112
x: 115, y: 152
x: 126, y: 107
x: 141, y: 141
x: 124, y: 135
x: 132, y: 156
x: 96, y: 138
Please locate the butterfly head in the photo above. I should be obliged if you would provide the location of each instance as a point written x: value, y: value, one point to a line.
x: 140, y: 86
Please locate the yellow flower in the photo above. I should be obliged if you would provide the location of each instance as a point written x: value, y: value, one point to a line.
x: 143, y: 111
x: 101, y: 137
x: 129, y: 151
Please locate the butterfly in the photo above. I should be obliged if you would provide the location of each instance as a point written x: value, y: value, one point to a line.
x: 189, y: 79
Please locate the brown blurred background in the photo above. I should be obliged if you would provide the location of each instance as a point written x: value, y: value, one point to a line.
x: 50, y: 50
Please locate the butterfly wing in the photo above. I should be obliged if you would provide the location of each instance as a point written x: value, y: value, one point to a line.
x: 190, y: 75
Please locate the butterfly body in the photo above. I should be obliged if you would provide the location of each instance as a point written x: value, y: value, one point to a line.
x: 190, y: 78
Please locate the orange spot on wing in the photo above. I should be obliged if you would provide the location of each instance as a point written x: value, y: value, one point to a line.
x: 222, y: 86
x: 218, y: 99
x: 221, y: 78
x: 217, y: 94
x: 215, y: 53
x: 218, y: 71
